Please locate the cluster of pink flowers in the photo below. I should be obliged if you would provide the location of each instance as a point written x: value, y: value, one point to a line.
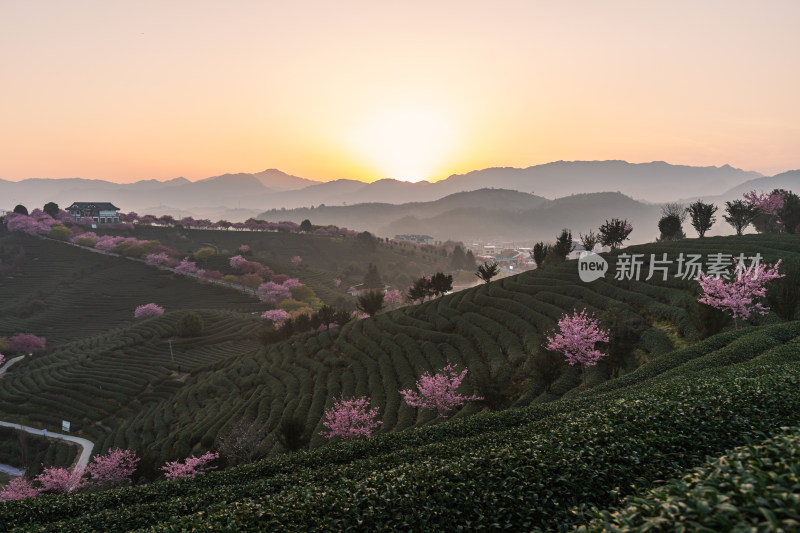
x: 26, y: 343
x: 104, y: 471
x: 110, y: 470
x: 296, y: 260
x: 32, y: 225
x: 186, y: 267
x: 109, y: 243
x: 211, y: 275
x: 741, y: 295
x: 156, y: 259
x: 337, y: 282
x: 244, y: 249
x: 392, y: 296
x: 190, y: 467
x: 148, y: 310
x: 768, y: 204
x: 576, y: 338
x: 438, y: 391
x: 351, y: 418
x: 276, y: 316
x: 237, y: 262
x: 273, y: 292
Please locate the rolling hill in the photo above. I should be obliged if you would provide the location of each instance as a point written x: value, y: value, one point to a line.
x: 495, y: 330
x: 547, y: 467
x: 241, y: 195
x: 63, y: 292
x: 487, y: 214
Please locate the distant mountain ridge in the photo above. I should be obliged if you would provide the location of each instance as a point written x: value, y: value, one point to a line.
x: 243, y: 194
x: 486, y: 215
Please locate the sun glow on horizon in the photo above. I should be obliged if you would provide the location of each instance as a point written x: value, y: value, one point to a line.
x: 406, y: 143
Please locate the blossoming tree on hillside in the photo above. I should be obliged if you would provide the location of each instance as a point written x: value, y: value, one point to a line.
x: 438, y: 391
x: 576, y: 336
x: 742, y: 294
x: 113, y: 469
x: 190, y: 467
x: 349, y: 419
x: 26, y: 343
x: 276, y: 316
x: 148, y: 310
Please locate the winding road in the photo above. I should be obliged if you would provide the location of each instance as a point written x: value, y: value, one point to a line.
x: 86, y: 445
x: 10, y: 362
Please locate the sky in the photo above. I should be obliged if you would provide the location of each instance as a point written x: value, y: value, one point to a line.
x: 408, y: 90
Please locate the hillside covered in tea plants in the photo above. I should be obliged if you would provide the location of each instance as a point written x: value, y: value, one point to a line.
x: 64, y: 292
x: 150, y: 388
x: 548, y: 466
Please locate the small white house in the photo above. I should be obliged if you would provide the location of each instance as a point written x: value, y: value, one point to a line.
x: 100, y: 212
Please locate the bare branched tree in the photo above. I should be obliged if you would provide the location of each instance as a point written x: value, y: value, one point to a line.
x: 242, y: 443
x: 674, y: 209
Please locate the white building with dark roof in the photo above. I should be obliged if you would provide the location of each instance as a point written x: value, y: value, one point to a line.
x: 100, y: 212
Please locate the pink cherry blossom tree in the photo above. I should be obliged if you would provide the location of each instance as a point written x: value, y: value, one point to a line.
x: 576, y: 337
x: 113, y: 469
x: 392, y: 296
x: 60, y: 480
x: 271, y: 292
x: 26, y: 343
x: 769, y: 204
x: 244, y: 249
x: 186, y: 267
x: 276, y: 316
x: 237, y: 262
x: 296, y: 260
x: 156, y: 259
x: 18, y: 488
x: 106, y: 243
x: 148, y: 310
x: 2, y: 358
x: 438, y: 391
x: 349, y: 419
x: 742, y: 294
x: 241, y: 264
x: 190, y: 467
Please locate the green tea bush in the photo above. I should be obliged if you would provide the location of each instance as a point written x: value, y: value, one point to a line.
x: 752, y: 488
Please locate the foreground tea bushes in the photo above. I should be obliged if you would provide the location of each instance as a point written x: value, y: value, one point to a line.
x: 753, y: 488
x: 537, y: 467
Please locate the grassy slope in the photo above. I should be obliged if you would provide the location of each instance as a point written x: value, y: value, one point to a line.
x: 100, y: 382
x: 324, y: 258
x: 492, y: 329
x: 65, y: 293
x: 541, y: 466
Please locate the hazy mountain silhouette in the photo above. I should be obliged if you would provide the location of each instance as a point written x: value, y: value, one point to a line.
x: 486, y: 214
x: 653, y: 182
x: 242, y: 193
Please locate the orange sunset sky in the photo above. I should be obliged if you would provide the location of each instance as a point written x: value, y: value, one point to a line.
x: 407, y: 90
